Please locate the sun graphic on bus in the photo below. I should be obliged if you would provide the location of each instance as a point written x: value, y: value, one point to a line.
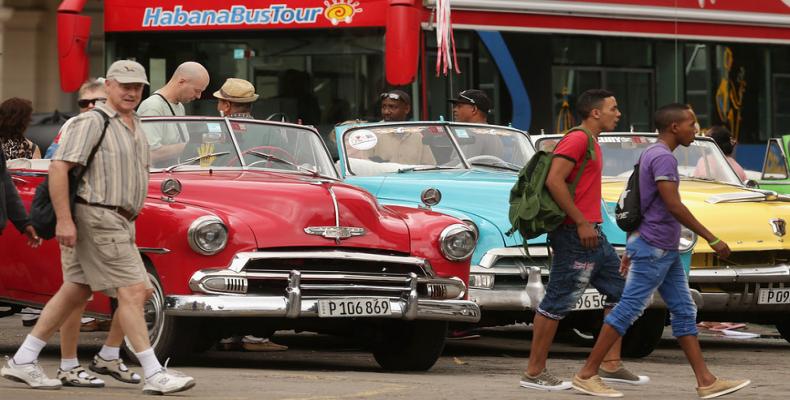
x: 341, y: 10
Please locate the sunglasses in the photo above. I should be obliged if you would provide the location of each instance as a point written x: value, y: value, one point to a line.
x: 387, y: 95
x: 84, y: 103
x: 465, y: 97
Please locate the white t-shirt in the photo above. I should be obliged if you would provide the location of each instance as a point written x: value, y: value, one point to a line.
x: 159, y: 134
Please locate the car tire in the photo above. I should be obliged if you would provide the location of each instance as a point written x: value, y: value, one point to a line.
x: 171, y: 337
x: 644, y: 335
x: 784, y: 328
x: 410, y: 345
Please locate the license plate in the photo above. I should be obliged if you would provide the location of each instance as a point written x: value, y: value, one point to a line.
x: 774, y: 296
x: 359, y: 307
x: 589, y: 301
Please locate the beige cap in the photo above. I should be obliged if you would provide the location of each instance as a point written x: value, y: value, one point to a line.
x: 236, y: 91
x: 127, y: 71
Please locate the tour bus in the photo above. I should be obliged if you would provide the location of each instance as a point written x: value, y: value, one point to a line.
x: 320, y: 62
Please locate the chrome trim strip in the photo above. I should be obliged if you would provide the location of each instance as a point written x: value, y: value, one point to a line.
x: 355, y: 287
x: 268, y: 306
x: 334, y: 204
x: 154, y: 250
x: 777, y: 273
x: 410, y: 309
x: 240, y: 260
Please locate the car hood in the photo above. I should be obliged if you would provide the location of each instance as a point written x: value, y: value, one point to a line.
x: 279, y: 206
x: 474, y: 193
x: 743, y: 218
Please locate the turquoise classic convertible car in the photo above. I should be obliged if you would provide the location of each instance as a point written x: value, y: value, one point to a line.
x: 467, y: 171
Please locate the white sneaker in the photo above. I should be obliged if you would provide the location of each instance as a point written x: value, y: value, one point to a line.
x: 165, y: 382
x: 31, y: 374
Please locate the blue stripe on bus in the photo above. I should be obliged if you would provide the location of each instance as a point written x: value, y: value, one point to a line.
x: 522, y: 110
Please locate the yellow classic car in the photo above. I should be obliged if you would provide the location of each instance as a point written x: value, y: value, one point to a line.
x: 753, y: 283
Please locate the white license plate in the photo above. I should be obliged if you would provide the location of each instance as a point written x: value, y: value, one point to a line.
x: 589, y: 301
x: 359, y: 307
x: 774, y: 296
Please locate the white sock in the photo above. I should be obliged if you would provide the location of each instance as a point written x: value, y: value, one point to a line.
x: 69, y: 363
x: 29, y: 350
x: 110, y: 353
x: 149, y: 362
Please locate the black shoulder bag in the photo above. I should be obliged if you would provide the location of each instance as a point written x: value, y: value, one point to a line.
x: 42, y: 214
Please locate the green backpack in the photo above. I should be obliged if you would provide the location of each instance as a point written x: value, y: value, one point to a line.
x: 533, y: 211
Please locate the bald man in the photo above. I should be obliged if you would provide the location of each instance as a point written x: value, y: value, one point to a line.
x: 187, y: 84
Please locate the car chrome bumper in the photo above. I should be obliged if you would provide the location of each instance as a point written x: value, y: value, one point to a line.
x: 719, y: 294
x: 203, y: 305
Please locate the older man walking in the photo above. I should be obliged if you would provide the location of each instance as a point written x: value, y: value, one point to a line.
x: 97, y: 241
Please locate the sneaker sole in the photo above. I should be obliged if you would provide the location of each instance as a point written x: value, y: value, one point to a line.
x: 583, y: 390
x: 188, y: 386
x: 728, y: 391
x: 87, y: 385
x: 643, y: 380
x: 529, y: 385
x: 15, y: 379
x: 115, y: 375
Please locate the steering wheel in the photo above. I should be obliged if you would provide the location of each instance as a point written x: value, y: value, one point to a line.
x: 278, y: 152
x: 486, y: 157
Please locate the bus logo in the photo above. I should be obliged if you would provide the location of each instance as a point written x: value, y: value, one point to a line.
x: 341, y: 10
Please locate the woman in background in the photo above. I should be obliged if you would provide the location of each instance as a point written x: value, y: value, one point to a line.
x: 15, y: 117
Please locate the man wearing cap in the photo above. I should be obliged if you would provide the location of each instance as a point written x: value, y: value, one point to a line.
x: 109, y: 198
x: 473, y: 106
x: 187, y: 84
x: 399, y: 147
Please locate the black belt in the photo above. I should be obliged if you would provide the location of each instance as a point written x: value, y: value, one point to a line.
x: 120, y: 210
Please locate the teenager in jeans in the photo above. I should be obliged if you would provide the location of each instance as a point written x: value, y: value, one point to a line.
x: 582, y: 255
x: 652, y: 261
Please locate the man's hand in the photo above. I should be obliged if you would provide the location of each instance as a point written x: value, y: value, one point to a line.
x: 721, y: 249
x: 587, y: 234
x: 66, y: 233
x: 32, y: 237
x: 625, y: 265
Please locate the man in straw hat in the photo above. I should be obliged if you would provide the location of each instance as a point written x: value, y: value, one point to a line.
x: 234, y: 100
x: 109, y: 198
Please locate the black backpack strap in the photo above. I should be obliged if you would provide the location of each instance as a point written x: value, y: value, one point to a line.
x: 106, y: 119
x: 180, y: 131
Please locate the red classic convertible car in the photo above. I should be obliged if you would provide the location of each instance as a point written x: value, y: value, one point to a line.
x: 250, y: 230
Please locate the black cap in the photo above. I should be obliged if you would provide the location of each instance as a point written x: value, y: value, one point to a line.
x: 475, y: 97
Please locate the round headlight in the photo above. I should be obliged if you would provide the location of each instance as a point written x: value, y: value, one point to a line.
x: 457, y: 242
x: 687, y: 239
x: 472, y: 226
x: 207, y: 235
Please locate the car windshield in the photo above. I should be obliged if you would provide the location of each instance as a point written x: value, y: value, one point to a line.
x: 492, y: 146
x: 212, y: 143
x: 375, y: 150
x: 701, y: 160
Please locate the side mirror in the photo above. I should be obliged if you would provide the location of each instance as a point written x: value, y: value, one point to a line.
x: 751, y: 183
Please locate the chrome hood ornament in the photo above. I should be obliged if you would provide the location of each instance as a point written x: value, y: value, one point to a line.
x: 335, y: 232
x: 779, y: 226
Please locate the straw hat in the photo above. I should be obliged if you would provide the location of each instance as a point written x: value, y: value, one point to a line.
x: 236, y: 91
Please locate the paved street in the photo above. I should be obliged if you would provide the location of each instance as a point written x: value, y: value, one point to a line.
x: 324, y: 368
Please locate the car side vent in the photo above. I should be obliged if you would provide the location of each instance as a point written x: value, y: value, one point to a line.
x: 236, y: 285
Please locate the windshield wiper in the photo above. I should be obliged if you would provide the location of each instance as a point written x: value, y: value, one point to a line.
x: 508, y: 166
x: 417, y: 169
x: 193, y: 159
x: 286, y: 162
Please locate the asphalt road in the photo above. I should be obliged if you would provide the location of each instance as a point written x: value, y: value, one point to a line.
x: 327, y: 368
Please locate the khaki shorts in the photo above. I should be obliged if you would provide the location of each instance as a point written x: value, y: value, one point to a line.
x: 105, y: 257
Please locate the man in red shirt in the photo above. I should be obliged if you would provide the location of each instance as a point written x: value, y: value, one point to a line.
x: 582, y: 255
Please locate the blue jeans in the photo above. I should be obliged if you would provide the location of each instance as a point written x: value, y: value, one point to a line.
x: 575, y: 267
x: 653, y: 268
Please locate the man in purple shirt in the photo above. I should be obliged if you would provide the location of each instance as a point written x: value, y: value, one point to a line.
x: 652, y: 261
